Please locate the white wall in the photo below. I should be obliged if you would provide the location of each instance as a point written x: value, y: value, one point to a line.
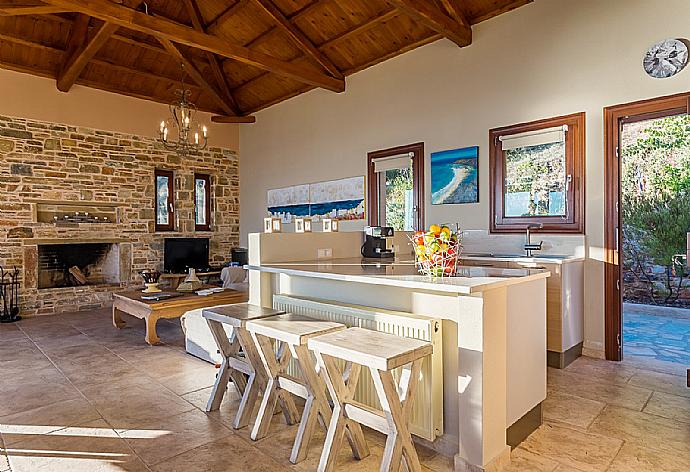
x: 549, y: 58
x: 28, y: 96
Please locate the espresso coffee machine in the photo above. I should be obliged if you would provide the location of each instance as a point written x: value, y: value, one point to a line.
x: 375, y: 242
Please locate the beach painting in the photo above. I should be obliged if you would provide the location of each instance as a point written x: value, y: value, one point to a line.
x: 341, y: 199
x: 454, y: 176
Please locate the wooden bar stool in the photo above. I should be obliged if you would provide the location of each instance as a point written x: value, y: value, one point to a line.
x: 291, y: 332
x: 240, y: 356
x: 381, y: 353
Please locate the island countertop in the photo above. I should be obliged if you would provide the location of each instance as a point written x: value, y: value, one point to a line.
x: 401, y: 272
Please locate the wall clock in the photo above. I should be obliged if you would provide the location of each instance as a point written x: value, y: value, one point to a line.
x: 665, y: 58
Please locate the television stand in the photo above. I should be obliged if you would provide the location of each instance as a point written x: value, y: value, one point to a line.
x: 176, y: 279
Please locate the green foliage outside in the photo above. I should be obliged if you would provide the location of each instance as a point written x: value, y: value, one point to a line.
x: 398, y: 184
x: 655, y: 174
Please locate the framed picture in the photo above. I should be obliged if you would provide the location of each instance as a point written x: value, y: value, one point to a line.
x: 454, y: 176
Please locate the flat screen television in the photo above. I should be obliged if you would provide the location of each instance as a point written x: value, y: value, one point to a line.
x: 182, y: 253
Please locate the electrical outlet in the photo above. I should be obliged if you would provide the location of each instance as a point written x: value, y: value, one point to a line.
x: 325, y: 253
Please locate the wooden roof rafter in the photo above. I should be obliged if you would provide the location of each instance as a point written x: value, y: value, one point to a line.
x: 229, y: 105
x: 81, y: 50
x: 298, y: 37
x: 20, y: 9
x: 433, y: 18
x: 161, y: 27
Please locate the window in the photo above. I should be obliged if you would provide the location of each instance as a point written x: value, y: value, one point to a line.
x: 202, y: 202
x: 165, y: 218
x: 396, y: 187
x: 537, y: 175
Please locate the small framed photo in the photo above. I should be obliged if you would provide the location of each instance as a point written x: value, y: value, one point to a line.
x: 272, y: 225
x: 330, y: 225
x: 302, y: 225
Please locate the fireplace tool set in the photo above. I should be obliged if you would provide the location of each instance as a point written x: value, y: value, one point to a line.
x: 9, y: 296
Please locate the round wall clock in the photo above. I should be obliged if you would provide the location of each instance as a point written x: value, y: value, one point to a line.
x: 666, y: 58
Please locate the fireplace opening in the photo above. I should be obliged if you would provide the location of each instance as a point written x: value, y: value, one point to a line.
x: 79, y: 264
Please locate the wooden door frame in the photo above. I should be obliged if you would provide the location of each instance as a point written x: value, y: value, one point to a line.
x: 614, y: 117
x: 417, y: 150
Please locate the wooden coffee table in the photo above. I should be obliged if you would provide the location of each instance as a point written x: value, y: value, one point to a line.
x: 151, y: 311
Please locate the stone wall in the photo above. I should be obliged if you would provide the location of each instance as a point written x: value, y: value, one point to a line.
x: 42, y: 161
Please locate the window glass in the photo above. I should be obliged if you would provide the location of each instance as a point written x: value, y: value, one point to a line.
x: 398, y: 195
x: 200, y: 201
x: 162, y: 198
x: 535, y: 181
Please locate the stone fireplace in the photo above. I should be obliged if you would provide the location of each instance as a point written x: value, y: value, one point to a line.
x: 78, y: 264
x: 48, y: 170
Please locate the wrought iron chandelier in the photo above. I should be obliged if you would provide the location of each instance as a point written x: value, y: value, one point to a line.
x: 190, y: 135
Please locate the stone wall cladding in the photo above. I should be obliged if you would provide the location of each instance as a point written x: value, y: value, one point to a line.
x: 48, y: 161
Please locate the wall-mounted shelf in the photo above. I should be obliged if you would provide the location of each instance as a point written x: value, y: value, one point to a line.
x: 73, y: 213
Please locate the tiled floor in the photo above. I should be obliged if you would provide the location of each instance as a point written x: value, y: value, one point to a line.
x: 78, y: 395
x: 657, y: 332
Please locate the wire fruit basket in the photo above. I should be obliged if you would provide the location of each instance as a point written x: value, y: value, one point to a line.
x: 437, y: 251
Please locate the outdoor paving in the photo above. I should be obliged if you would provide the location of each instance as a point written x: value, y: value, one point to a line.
x: 655, y: 332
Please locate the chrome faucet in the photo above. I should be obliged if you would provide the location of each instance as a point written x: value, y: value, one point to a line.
x: 529, y: 247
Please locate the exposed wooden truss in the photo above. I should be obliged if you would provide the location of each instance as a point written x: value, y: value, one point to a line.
x: 241, y: 55
x: 435, y: 19
x: 173, y: 31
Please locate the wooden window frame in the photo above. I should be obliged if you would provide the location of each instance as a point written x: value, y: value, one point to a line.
x: 207, y: 179
x: 575, y: 166
x: 417, y: 150
x: 614, y: 117
x: 171, y: 200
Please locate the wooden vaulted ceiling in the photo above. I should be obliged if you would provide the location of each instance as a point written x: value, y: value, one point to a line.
x: 240, y: 56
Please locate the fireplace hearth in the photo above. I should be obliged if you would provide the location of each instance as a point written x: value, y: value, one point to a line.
x: 78, y: 264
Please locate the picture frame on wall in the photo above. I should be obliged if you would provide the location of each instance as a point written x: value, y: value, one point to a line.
x: 455, y: 176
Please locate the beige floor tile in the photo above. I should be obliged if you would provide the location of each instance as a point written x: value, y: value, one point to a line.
x: 46, y: 419
x: 95, y: 448
x: 128, y: 403
x: 640, y: 459
x: 157, y: 440
x: 642, y: 428
x: 522, y: 460
x: 573, y: 448
x: 34, y: 389
x: 439, y: 463
x: 228, y: 454
x: 645, y: 363
x: 584, y: 386
x: 669, y: 406
x: 605, y: 371
x: 661, y: 382
x: 570, y: 409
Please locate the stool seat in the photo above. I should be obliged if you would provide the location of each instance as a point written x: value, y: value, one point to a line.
x: 238, y: 314
x: 291, y: 328
x: 382, y: 351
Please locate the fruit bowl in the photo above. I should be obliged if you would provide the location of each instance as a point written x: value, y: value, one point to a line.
x: 437, y: 251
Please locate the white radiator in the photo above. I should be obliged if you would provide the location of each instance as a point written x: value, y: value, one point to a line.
x: 427, y: 411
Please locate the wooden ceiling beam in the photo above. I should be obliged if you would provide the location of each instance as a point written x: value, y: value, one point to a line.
x: 173, y: 31
x: 196, y: 75
x: 434, y: 19
x: 19, y: 9
x: 298, y: 37
x: 77, y: 60
x: 455, y: 11
x: 233, y: 119
x: 214, y: 63
x: 229, y: 12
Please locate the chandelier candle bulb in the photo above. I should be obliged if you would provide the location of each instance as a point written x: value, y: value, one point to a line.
x: 162, y: 126
x: 196, y: 138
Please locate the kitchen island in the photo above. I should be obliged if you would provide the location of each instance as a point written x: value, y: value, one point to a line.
x: 493, y: 324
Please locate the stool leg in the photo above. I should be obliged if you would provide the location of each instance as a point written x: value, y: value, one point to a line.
x: 226, y: 348
x: 397, y: 408
x: 256, y: 382
x: 272, y: 366
x: 316, y: 407
x: 341, y: 387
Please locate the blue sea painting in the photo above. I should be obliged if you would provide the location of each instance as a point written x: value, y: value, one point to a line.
x: 454, y: 176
